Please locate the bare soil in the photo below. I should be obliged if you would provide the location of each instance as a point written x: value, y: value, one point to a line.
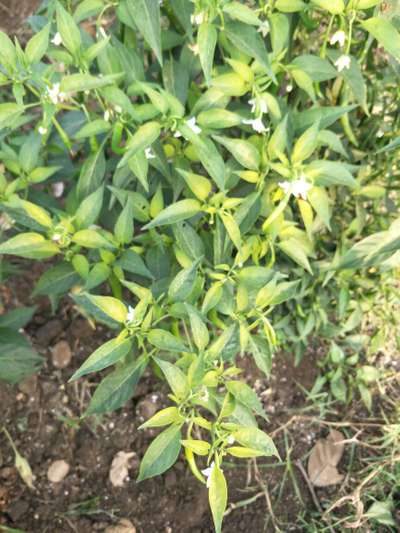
x: 13, y: 13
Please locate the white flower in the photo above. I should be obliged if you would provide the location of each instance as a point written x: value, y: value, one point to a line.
x: 298, y: 188
x: 42, y: 130
x: 207, y: 473
x: 55, y: 94
x: 253, y: 103
x: 197, y: 19
x: 257, y: 124
x: 57, y: 40
x: 289, y: 88
x: 343, y: 62
x: 338, y: 37
x: 231, y: 440
x: 58, y: 189
x: 261, y: 103
x: 56, y: 237
x: 106, y: 115
x: 264, y: 28
x: 149, y: 153
x: 131, y: 314
x: 193, y: 126
x: 118, y: 109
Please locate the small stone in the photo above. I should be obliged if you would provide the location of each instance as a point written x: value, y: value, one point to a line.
x: 81, y: 329
x: 29, y: 385
x: 123, y: 526
x: 146, y: 408
x: 119, y: 468
x: 57, y: 471
x: 48, y: 332
x: 61, y: 354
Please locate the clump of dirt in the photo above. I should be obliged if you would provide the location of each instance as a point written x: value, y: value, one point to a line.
x: 13, y: 13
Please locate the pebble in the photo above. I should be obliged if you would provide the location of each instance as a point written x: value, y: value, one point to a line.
x: 81, y: 329
x: 146, y: 408
x: 49, y: 332
x: 123, y: 526
x: 61, y: 354
x: 29, y: 385
x: 57, y: 471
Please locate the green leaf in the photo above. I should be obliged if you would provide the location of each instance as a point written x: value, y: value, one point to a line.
x: 37, y: 45
x: 29, y: 245
x: 245, y: 395
x: 252, y: 437
x: 132, y: 262
x: 320, y: 201
x: 244, y: 152
x: 330, y: 173
x: 89, y: 210
x: 226, y: 344
x: 326, y: 116
x: 207, y: 40
x: 217, y: 496
x: 142, y: 139
x: 199, y: 329
x: 146, y: 15
x: 86, y: 82
x: 385, y: 33
x: 241, y: 12
x: 294, y: 248
x: 232, y: 228
x: 317, y: 68
x: 9, y: 112
x: 87, y: 8
x: 161, y: 454
x: 164, y: 340
x: 335, y: 7
x: 306, y: 144
x: 182, y: 285
x: 8, y: 56
x: 261, y: 353
x: 69, y: 31
x: 95, y: 127
x: 290, y: 6
x: 175, y: 377
x: 112, y: 307
x: 123, y: 229
x: 107, y: 354
x: 17, y: 318
x: 92, y: 174
x: 165, y: 417
x: 208, y: 154
x: 181, y: 210
x: 247, y: 40
x: 56, y: 280
x: 116, y: 388
x: 188, y: 240
x: 90, y: 238
x: 183, y: 11
x: 18, y: 359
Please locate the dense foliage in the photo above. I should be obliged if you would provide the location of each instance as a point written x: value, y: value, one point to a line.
x: 200, y: 174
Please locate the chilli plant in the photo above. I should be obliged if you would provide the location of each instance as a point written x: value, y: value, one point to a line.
x: 190, y: 168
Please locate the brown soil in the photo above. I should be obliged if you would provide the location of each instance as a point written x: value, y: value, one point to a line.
x: 42, y: 416
x: 13, y: 13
